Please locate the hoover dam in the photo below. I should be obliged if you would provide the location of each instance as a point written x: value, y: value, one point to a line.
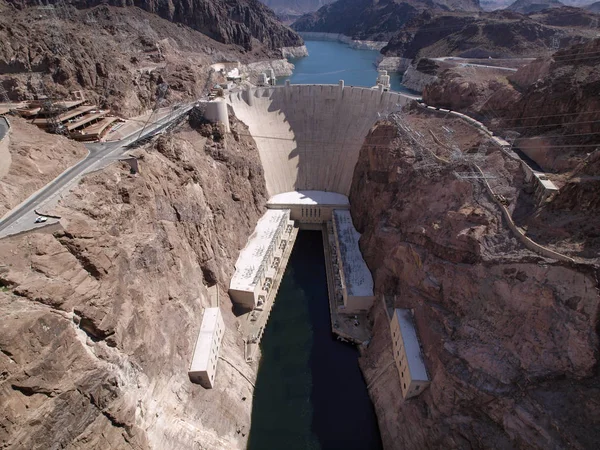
x: 309, y: 136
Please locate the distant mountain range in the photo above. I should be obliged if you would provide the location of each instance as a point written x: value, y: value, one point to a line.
x: 594, y: 7
x: 295, y: 7
x: 372, y: 19
x: 492, y: 5
x: 530, y: 6
x: 496, y: 34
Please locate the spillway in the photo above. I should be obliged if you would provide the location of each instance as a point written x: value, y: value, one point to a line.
x: 309, y: 136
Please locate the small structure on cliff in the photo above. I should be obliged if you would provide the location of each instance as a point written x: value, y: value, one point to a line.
x: 74, y: 118
x: 206, y: 352
x: 383, y: 80
x: 407, y: 354
x: 309, y: 207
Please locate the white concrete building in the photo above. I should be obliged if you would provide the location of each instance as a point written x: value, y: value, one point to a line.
x: 544, y: 187
x: 356, y: 279
x: 407, y: 354
x: 257, y: 264
x: 383, y: 79
x: 206, y: 352
x: 309, y: 207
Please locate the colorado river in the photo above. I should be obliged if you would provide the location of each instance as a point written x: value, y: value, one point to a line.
x: 310, y: 393
x: 330, y: 61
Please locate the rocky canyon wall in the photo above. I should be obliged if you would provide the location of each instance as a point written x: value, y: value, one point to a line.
x: 510, y: 339
x: 99, y: 321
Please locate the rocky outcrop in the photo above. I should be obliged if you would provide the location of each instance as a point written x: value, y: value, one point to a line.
x: 481, y: 94
x: 419, y: 75
x: 247, y: 23
x: 353, y: 43
x: 393, y: 63
x: 294, y: 52
x: 509, y: 339
x: 374, y: 21
x: 281, y: 67
x: 570, y: 119
x: 99, y: 321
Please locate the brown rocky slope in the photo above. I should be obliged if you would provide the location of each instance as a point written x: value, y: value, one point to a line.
x: 99, y: 321
x: 117, y: 56
x: 510, y: 339
x: 498, y: 34
x: 33, y: 159
x: 247, y: 23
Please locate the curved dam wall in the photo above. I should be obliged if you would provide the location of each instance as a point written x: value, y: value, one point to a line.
x: 309, y: 136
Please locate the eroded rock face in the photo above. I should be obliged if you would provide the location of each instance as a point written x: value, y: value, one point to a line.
x: 375, y: 21
x: 119, y: 56
x: 99, y: 321
x: 480, y: 93
x: 241, y: 22
x: 510, y: 339
x: 499, y: 34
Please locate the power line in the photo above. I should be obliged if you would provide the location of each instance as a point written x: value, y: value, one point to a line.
x: 555, y: 124
x: 342, y: 144
x: 555, y: 115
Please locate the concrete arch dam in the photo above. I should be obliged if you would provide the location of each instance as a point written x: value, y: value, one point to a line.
x: 309, y: 136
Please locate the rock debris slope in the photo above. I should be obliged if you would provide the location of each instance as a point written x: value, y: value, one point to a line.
x: 99, y: 321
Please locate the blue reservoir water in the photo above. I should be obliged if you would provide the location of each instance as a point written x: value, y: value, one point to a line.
x: 330, y: 61
x: 310, y: 393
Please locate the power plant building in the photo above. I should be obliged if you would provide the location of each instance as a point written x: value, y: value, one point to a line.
x: 407, y: 354
x: 257, y: 264
x: 309, y: 207
x: 356, y: 279
x: 206, y: 352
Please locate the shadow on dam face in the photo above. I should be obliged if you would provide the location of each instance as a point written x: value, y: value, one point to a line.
x: 310, y: 393
x: 309, y: 136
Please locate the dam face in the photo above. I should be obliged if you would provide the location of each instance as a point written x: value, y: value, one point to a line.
x: 309, y: 136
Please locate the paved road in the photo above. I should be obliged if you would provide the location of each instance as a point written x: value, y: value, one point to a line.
x: 3, y: 127
x: 22, y: 218
x: 465, y: 62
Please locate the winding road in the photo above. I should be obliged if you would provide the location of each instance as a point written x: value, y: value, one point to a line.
x: 22, y: 217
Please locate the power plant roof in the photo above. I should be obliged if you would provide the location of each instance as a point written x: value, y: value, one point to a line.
x: 359, y: 282
x: 252, y: 256
x: 309, y: 198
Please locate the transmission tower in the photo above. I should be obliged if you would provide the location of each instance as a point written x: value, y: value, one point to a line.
x: 511, y: 137
x: 555, y: 42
